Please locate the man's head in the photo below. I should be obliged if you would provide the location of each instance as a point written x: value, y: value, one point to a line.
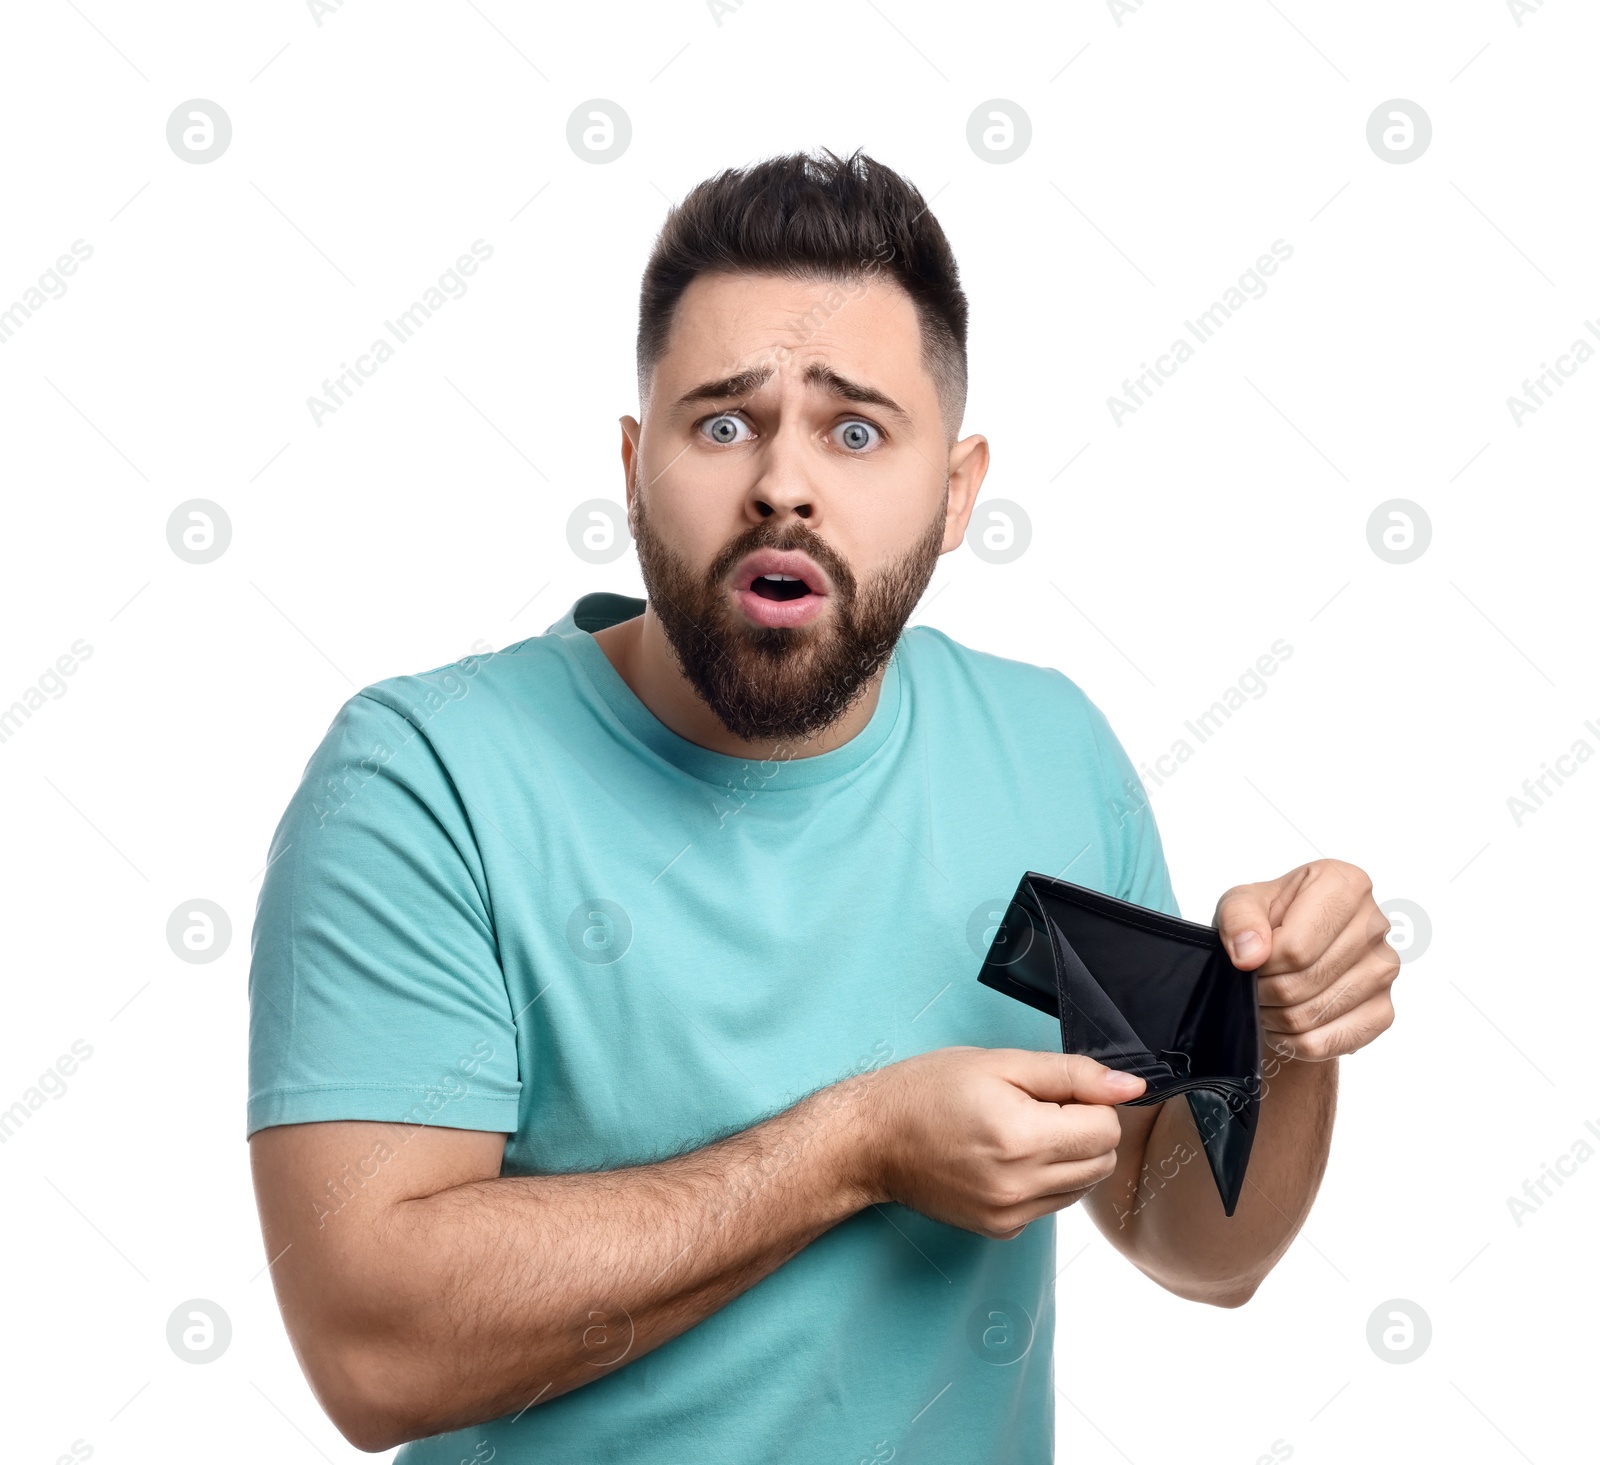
x: 802, y: 375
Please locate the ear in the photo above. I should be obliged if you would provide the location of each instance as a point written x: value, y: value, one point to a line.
x: 969, y: 463
x: 630, y: 456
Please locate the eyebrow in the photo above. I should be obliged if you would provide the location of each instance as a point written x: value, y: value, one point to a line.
x: 745, y: 384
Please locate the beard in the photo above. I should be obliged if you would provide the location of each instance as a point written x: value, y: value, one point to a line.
x: 774, y: 682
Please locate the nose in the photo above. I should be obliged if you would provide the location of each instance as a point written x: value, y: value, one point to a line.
x: 782, y: 488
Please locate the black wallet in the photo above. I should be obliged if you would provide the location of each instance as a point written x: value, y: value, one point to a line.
x: 1140, y: 990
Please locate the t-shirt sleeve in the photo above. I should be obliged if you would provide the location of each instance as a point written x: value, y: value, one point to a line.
x: 1141, y: 863
x: 376, y: 990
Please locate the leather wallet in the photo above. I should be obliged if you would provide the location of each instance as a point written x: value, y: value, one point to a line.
x: 1140, y: 990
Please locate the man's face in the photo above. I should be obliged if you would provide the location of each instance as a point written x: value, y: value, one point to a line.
x: 790, y: 491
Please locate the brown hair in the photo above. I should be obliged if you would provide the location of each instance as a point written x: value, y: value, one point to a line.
x: 813, y: 217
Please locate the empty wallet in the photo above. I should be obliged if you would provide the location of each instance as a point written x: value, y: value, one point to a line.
x: 1140, y: 990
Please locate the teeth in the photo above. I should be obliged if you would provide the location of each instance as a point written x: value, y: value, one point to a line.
x: 780, y: 577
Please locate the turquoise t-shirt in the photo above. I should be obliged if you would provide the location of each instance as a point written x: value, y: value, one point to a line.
x: 506, y: 897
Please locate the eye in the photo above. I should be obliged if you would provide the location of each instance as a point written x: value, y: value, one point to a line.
x: 857, y: 435
x: 725, y: 429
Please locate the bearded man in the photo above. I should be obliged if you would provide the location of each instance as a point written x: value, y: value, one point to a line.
x: 620, y: 1086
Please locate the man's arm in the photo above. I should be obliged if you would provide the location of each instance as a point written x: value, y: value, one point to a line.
x: 1323, y: 971
x: 431, y: 1294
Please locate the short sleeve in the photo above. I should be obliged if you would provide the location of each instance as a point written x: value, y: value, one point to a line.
x: 376, y: 990
x: 1141, y: 863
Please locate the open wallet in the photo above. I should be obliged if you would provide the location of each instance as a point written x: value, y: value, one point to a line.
x: 1146, y: 992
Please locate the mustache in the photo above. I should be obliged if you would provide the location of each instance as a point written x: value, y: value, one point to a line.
x: 796, y: 537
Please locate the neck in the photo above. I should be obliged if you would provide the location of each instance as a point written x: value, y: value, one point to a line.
x: 639, y: 651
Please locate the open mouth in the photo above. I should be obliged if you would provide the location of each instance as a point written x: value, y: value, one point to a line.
x: 779, y: 587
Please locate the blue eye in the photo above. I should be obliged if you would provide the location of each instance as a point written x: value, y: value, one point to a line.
x: 724, y: 429
x: 858, y: 436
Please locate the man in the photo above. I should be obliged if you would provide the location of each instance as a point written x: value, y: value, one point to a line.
x: 621, y: 1087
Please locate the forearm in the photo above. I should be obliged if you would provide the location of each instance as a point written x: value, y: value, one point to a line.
x: 486, y: 1297
x: 1162, y: 1210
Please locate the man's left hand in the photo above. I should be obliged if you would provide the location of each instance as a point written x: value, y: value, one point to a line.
x: 1315, y: 940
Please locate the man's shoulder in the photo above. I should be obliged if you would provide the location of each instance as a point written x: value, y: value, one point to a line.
x: 1024, y: 687
x: 518, y: 678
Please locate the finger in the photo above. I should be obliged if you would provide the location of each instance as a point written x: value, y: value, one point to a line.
x: 1353, y: 1031
x: 1009, y: 1220
x: 1069, y: 1078
x: 1369, y: 976
x: 1329, y: 897
x: 1073, y: 1133
x: 1362, y: 939
x: 1245, y: 920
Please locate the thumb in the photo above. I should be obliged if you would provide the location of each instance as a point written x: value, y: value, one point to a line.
x: 1244, y: 922
x: 1068, y: 1078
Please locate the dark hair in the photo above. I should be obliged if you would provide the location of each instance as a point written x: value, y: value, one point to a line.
x: 813, y: 217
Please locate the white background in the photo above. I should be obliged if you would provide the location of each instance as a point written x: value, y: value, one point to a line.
x: 1168, y: 152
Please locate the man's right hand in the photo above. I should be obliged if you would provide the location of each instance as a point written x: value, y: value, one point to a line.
x: 989, y: 1139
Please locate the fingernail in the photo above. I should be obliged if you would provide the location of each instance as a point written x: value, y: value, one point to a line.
x: 1246, y: 944
x: 1120, y: 1080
